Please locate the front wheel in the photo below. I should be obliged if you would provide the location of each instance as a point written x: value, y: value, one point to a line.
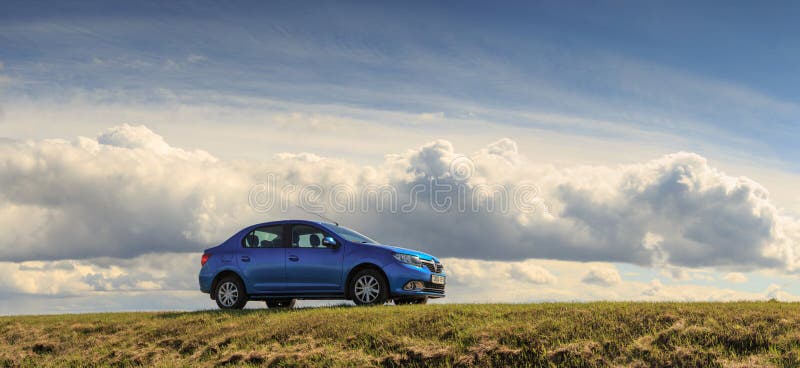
x: 369, y: 288
x: 230, y: 293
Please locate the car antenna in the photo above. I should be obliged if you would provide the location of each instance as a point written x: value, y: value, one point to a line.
x: 316, y: 214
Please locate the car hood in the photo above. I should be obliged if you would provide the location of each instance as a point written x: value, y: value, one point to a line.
x: 417, y: 253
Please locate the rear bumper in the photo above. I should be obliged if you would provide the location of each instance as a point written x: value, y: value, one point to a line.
x: 399, y: 274
x: 205, y: 279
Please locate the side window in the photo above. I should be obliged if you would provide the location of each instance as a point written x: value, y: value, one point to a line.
x: 304, y: 236
x: 264, y: 237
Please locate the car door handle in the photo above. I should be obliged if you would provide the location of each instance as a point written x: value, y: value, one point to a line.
x: 294, y: 258
x: 245, y: 259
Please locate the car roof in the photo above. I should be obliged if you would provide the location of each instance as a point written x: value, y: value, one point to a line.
x: 284, y: 222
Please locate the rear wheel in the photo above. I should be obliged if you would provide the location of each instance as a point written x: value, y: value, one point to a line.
x: 230, y: 293
x: 280, y: 303
x: 369, y: 288
x: 403, y: 301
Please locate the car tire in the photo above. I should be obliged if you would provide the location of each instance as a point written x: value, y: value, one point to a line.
x: 368, y: 287
x: 230, y: 293
x: 280, y: 303
x: 404, y: 301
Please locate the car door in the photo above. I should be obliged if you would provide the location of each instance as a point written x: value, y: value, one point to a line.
x: 310, y: 265
x: 262, y: 259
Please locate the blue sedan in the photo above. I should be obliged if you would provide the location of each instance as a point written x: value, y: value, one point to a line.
x: 282, y: 261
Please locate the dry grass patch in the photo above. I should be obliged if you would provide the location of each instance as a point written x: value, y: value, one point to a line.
x: 534, y: 335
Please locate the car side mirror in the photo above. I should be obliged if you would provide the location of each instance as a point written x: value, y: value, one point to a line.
x: 329, y: 241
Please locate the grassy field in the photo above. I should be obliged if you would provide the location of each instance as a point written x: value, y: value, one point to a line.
x: 575, y: 335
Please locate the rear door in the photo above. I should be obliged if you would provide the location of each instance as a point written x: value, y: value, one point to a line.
x: 311, y: 266
x: 262, y: 259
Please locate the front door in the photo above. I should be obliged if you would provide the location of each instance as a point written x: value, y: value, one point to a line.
x: 310, y: 266
x: 263, y: 259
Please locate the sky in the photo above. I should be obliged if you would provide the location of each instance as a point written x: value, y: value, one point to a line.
x: 646, y: 151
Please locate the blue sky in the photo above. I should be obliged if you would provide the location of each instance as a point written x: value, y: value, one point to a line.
x: 721, y: 74
x: 573, y: 84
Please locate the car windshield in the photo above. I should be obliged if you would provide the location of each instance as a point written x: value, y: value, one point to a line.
x: 352, y: 235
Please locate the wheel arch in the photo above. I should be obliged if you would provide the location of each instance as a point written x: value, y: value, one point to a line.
x: 358, y: 268
x: 221, y: 275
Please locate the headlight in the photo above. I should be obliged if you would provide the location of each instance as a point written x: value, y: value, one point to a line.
x: 408, y: 259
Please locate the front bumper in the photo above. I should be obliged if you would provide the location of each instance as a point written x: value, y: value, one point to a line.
x: 399, y: 274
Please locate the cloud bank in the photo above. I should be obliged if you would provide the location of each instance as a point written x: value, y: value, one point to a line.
x: 128, y: 193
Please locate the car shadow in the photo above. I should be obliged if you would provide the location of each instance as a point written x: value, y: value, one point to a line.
x: 241, y: 312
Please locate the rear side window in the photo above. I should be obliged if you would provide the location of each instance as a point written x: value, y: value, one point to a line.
x: 264, y: 237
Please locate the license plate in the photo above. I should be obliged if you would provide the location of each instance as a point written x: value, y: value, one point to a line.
x: 437, y: 279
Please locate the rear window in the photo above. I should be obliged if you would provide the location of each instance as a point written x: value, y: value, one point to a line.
x: 264, y: 237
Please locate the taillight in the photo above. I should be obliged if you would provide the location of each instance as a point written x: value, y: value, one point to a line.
x: 205, y: 258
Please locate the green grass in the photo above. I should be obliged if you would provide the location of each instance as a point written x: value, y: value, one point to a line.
x: 742, y: 334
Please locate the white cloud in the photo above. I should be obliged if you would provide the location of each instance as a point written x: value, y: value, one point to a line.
x: 532, y: 274
x: 654, y: 288
x: 685, y: 273
x: 676, y: 273
x: 134, y: 137
x: 570, y: 286
x: 125, y: 194
x: 168, y: 282
x: 163, y: 271
x: 775, y: 291
x: 602, y: 276
x: 675, y: 210
x: 129, y: 192
x: 431, y: 116
x: 735, y: 277
x: 476, y: 272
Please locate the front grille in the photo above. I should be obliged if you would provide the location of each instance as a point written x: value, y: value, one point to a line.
x: 433, y: 267
x: 433, y: 288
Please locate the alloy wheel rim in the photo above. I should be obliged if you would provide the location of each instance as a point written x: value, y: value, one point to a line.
x: 228, y: 294
x: 367, y: 288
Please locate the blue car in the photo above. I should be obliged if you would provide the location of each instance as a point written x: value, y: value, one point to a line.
x: 280, y: 262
